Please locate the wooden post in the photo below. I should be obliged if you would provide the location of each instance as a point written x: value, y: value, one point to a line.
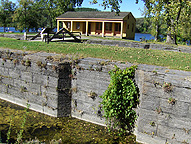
x: 103, y: 28
x: 121, y: 29
x: 25, y: 35
x: 63, y: 35
x: 58, y: 25
x: 86, y: 28
x: 71, y: 26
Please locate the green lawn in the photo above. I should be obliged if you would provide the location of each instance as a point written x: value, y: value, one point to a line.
x: 172, y: 60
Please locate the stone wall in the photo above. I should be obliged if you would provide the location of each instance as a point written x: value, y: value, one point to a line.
x: 57, y: 86
x: 37, y: 80
x: 15, y: 36
x: 164, y: 113
x: 142, y: 45
x: 90, y: 81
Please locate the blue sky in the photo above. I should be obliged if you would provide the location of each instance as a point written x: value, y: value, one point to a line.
x: 125, y: 6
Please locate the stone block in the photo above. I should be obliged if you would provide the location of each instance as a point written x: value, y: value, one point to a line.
x: 20, y: 83
x: 3, y: 88
x: 49, y: 90
x: 89, y: 118
x: 40, y: 79
x: 34, y: 88
x: 83, y: 96
x: 26, y: 76
x: 49, y: 111
x: 52, y: 102
x: 6, y: 80
x: 174, y: 122
x: 35, y: 98
x: 147, y: 121
x: 180, y: 109
x: 151, y: 90
x: 16, y: 74
x: 8, y: 64
x: 20, y: 67
x: 181, y: 94
x: 86, y: 107
x: 150, y: 102
x: 4, y: 71
x: 174, y: 133
x: 149, y: 139
x: 33, y: 68
x: 16, y: 92
x: 53, y: 81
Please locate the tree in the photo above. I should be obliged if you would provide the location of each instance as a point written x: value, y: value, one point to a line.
x: 170, y: 10
x: 54, y: 8
x: 7, y: 9
x: 185, y: 25
x: 26, y: 16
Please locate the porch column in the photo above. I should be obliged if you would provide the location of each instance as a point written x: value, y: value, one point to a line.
x: 103, y: 28
x: 86, y: 28
x: 71, y: 26
x: 121, y: 29
x: 58, y: 26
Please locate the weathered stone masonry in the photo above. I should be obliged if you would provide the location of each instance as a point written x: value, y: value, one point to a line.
x: 57, y: 86
x: 33, y: 79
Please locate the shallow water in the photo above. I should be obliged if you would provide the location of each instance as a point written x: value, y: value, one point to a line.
x: 43, y: 128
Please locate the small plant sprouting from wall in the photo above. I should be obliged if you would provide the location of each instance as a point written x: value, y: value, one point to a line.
x: 159, y: 110
x: 41, y: 65
x: 171, y: 100
x: 74, y: 90
x: 15, y: 61
x: 120, y: 99
x: 28, y: 63
x: 152, y: 123
x: 54, y: 67
x: 167, y: 87
x: 92, y: 95
x: 23, y: 89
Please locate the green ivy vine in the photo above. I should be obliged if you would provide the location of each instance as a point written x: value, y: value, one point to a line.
x: 120, y: 99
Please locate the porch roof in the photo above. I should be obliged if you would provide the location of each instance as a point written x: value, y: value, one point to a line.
x: 93, y: 15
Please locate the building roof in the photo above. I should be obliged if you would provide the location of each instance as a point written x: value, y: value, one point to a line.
x: 93, y: 15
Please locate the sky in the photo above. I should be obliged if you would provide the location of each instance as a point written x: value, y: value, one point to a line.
x: 125, y: 6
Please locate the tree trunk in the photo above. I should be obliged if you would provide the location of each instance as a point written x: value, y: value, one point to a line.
x: 4, y: 28
x: 170, y: 39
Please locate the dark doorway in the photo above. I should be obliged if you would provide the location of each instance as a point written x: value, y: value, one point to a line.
x: 89, y: 28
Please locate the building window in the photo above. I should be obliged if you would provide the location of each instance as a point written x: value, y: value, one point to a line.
x: 128, y: 26
x: 132, y: 27
x: 98, y: 26
x: 117, y: 27
x: 108, y: 26
x: 78, y: 25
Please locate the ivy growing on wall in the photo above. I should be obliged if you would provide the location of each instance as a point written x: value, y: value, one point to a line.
x: 120, y: 99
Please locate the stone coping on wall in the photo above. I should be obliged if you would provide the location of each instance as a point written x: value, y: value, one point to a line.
x: 123, y: 43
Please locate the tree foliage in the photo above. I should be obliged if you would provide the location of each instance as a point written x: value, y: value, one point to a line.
x: 120, y: 99
x: 172, y: 15
x: 7, y: 9
x: 32, y: 14
x: 26, y: 15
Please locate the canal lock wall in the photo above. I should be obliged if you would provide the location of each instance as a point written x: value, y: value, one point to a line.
x: 59, y: 85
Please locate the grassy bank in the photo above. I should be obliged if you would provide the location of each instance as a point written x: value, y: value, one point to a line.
x: 48, y: 129
x: 172, y: 60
